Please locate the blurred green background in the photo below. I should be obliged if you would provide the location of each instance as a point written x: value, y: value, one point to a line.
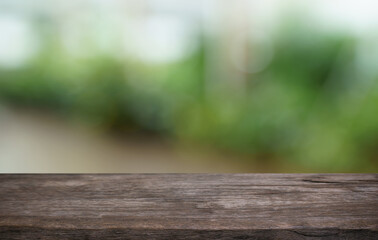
x: 260, y: 86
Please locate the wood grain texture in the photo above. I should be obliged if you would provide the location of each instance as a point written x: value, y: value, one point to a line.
x: 189, y: 206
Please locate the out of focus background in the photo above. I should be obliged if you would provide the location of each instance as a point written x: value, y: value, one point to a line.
x: 188, y: 86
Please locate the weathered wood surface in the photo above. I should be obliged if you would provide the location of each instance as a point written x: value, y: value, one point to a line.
x: 189, y: 206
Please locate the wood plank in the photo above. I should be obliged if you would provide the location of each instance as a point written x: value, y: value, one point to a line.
x: 189, y: 206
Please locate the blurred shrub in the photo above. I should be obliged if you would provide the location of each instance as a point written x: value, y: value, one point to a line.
x: 312, y: 105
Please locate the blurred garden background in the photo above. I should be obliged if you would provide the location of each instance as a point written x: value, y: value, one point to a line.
x: 188, y: 86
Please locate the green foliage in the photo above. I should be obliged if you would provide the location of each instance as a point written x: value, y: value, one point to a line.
x: 311, y: 105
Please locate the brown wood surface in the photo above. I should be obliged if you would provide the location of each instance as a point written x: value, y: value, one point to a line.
x: 189, y: 206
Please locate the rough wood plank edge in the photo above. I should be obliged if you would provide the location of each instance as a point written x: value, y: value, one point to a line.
x: 189, y: 206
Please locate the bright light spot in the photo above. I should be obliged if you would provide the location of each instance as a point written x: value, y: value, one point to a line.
x: 359, y: 16
x: 17, y: 42
x: 161, y: 39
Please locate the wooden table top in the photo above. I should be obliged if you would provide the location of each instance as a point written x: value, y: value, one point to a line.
x: 189, y: 206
